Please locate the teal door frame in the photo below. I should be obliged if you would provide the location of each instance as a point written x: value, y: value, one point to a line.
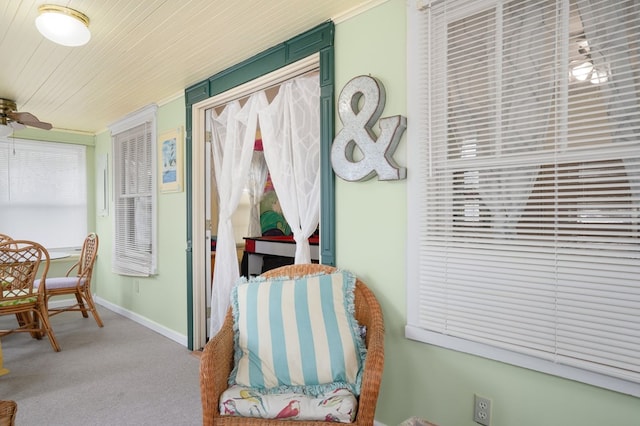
x: 317, y: 40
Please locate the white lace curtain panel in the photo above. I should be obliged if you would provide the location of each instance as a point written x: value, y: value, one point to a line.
x: 231, y: 151
x: 290, y: 128
x: 255, y: 187
x: 291, y: 139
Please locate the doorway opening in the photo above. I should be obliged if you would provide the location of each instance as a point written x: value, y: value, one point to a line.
x: 309, y: 52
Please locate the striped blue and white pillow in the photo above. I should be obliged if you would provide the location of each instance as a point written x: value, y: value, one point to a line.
x: 297, y: 335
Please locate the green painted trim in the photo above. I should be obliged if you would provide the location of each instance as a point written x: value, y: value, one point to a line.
x: 316, y: 40
x: 257, y: 66
x: 327, y: 177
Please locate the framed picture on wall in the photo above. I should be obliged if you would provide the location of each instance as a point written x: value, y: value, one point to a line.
x: 170, y: 159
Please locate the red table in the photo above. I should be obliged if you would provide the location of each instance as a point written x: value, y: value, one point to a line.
x: 283, y: 246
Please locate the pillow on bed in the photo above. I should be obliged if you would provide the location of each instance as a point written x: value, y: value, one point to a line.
x: 297, y: 335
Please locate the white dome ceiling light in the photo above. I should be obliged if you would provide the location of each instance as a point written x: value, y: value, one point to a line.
x: 63, y: 25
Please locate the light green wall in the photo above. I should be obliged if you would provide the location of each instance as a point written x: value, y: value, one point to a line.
x: 419, y: 379
x: 161, y: 298
x: 56, y: 136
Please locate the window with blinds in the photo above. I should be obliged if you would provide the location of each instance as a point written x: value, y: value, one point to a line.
x: 524, y: 147
x: 43, y: 192
x: 134, y: 188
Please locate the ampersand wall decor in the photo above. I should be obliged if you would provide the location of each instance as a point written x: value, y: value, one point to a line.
x: 377, y: 153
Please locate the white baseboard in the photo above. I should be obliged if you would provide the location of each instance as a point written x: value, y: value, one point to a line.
x: 158, y: 328
x: 377, y: 423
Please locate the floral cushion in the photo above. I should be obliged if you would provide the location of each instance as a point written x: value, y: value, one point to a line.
x: 338, y: 405
x: 15, y: 301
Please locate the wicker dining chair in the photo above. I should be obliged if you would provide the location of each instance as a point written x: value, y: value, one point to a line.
x: 8, y: 411
x: 5, y: 237
x: 216, y: 361
x: 78, y: 285
x: 20, y: 262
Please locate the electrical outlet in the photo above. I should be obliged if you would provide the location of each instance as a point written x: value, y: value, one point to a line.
x: 482, y: 410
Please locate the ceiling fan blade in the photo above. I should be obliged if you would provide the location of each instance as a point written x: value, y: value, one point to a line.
x: 29, y: 119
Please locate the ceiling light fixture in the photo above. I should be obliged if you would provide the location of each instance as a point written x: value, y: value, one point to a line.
x: 584, y: 69
x: 63, y: 25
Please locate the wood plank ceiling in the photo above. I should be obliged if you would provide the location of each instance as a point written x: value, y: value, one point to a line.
x: 141, y: 51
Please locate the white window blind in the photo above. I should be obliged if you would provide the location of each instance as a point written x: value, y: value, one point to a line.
x: 43, y: 192
x: 134, y: 158
x: 525, y: 186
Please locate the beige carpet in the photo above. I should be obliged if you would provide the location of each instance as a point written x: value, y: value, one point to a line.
x: 122, y: 374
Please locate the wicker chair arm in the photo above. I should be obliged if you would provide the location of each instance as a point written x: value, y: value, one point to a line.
x: 372, y: 373
x: 216, y: 363
x: 74, y: 266
x: 8, y: 411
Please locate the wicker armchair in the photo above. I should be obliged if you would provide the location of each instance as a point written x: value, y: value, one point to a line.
x: 20, y: 262
x: 216, y: 361
x: 8, y: 410
x: 78, y: 284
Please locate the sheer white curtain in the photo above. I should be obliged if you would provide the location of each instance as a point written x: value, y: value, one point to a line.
x: 258, y: 168
x: 255, y: 186
x: 290, y: 128
x: 232, y: 148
